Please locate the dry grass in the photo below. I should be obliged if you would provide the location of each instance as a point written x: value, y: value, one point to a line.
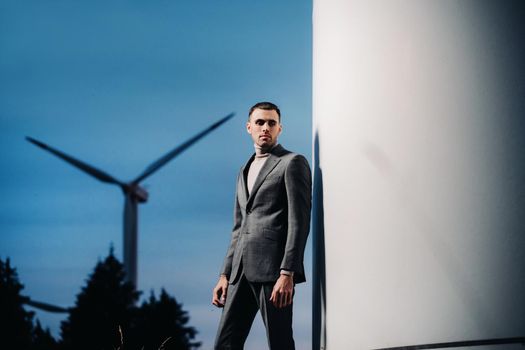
x: 121, y: 345
x: 164, y: 343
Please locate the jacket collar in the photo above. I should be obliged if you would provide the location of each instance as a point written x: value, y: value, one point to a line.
x: 269, y: 165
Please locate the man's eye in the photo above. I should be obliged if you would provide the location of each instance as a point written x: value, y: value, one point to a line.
x: 272, y: 123
x: 259, y: 122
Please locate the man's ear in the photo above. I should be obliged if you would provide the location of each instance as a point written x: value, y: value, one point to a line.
x: 249, y: 128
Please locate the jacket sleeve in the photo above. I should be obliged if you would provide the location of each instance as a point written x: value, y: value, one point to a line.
x: 237, y: 223
x: 298, y: 182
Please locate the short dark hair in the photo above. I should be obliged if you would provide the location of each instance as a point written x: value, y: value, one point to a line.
x: 268, y: 106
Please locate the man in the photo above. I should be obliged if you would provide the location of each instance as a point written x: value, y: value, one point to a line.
x: 271, y: 224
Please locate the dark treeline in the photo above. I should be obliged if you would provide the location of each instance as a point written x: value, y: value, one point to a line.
x: 105, y: 316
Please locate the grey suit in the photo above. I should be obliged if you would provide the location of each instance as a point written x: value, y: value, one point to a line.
x: 270, y: 230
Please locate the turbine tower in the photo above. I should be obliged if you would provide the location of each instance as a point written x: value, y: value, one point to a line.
x: 133, y: 192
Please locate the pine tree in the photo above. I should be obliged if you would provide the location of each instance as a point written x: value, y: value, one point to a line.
x: 15, y: 322
x: 42, y: 339
x: 163, y: 321
x: 104, y: 304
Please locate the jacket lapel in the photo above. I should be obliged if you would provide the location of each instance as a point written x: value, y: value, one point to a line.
x: 242, y: 189
x: 268, y: 166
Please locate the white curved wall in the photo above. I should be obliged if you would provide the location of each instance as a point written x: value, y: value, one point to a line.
x: 418, y: 114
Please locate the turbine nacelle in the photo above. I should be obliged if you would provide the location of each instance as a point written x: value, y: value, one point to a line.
x: 136, y: 192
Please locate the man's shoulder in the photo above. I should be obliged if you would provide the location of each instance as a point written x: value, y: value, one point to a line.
x: 288, y: 158
x: 283, y: 153
x: 293, y: 158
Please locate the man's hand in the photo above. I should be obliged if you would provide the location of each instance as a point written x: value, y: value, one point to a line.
x: 282, y: 293
x: 219, y: 292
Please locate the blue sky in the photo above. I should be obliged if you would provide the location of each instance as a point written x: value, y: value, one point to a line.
x: 117, y: 84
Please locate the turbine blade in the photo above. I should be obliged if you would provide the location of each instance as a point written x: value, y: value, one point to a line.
x: 45, y: 306
x: 99, y: 174
x: 179, y: 149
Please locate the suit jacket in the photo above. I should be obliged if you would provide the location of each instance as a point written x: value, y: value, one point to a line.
x: 271, y: 224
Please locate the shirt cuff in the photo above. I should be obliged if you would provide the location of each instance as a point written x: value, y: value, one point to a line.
x: 287, y: 273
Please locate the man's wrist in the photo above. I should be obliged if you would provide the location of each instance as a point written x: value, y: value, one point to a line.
x: 286, y: 272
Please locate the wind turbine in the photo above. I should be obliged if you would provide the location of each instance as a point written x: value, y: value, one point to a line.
x: 133, y: 192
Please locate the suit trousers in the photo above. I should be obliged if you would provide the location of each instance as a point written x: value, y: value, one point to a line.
x: 243, y: 300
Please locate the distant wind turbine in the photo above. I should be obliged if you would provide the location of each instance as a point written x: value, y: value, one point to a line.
x: 133, y: 193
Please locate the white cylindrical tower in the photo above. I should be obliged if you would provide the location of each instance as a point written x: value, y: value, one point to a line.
x: 419, y: 171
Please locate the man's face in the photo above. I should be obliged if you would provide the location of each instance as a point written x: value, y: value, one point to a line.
x: 264, y: 126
